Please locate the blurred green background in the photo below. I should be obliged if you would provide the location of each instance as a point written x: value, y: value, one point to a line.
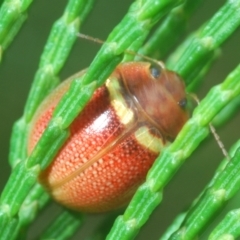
x: 20, y: 62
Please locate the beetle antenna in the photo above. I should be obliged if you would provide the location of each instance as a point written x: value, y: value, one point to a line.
x: 214, y: 133
x: 219, y: 142
x: 99, y: 41
x: 87, y: 37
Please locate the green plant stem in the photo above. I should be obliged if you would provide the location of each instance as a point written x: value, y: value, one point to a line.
x: 170, y: 31
x: 12, y: 15
x: 18, y: 143
x: 102, y: 230
x: 64, y: 226
x: 197, y: 79
x: 214, y: 198
x: 227, y: 113
x: 180, y: 219
x: 228, y: 228
x: 59, y: 44
x: 173, y: 227
x: 189, y: 58
x: 35, y: 201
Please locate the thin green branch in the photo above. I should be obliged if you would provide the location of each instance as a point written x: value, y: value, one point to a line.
x: 189, y: 59
x: 12, y: 15
x: 65, y: 225
x: 170, y: 31
x: 201, y: 72
x: 103, y: 228
x: 18, y: 143
x: 180, y: 219
x: 57, y: 49
x: 173, y: 227
x: 33, y: 203
x: 228, y: 228
x: 224, y: 187
x: 227, y: 113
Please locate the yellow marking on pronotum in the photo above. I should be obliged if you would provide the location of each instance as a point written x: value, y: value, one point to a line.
x: 124, y: 113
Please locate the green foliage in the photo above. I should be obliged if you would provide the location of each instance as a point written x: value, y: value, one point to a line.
x: 22, y: 197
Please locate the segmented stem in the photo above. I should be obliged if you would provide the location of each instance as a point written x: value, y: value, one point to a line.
x: 190, y: 57
x: 64, y: 226
x: 12, y: 16
x: 173, y: 227
x: 170, y: 31
x: 228, y: 228
x: 222, y: 188
x: 198, y: 202
x: 58, y: 46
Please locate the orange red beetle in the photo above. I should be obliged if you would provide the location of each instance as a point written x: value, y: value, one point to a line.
x: 115, y: 139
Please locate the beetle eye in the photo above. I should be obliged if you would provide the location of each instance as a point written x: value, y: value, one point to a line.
x: 183, y: 103
x: 155, y: 71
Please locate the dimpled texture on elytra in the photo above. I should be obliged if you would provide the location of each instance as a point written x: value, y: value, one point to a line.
x: 95, y: 170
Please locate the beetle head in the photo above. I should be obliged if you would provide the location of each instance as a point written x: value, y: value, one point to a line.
x: 159, y: 96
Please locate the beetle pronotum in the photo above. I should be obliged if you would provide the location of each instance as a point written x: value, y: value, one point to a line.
x: 116, y: 138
